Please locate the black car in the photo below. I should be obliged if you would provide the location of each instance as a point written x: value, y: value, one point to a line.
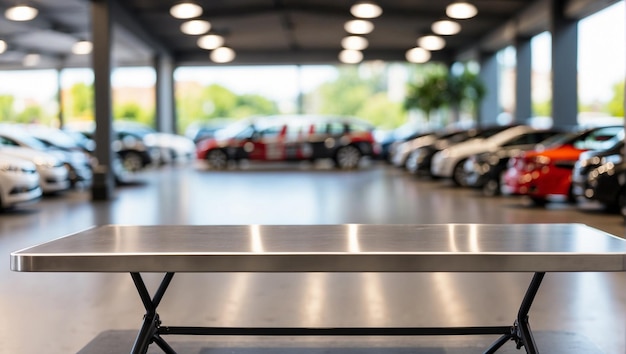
x: 591, y: 160
x: 484, y: 171
x: 607, y: 185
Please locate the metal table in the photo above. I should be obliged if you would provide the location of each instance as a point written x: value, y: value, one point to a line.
x: 536, y: 248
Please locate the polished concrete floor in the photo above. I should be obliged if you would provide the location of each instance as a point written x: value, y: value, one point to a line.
x: 61, y: 313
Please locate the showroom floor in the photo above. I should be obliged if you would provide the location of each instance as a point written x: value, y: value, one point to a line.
x: 62, y: 313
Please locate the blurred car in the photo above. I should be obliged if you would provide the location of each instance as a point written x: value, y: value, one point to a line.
x: 450, y: 162
x: 19, y: 181
x: 52, y: 141
x: 607, y: 185
x: 546, y: 172
x: 53, y: 176
x: 590, y: 160
x: 79, y: 161
x: 484, y: 171
x: 345, y: 140
x: 164, y: 148
x: 419, y: 161
x: 403, y: 150
x: 201, y: 130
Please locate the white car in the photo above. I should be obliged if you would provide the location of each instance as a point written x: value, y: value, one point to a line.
x: 449, y: 162
x: 19, y: 181
x: 404, y: 149
x: 53, y: 176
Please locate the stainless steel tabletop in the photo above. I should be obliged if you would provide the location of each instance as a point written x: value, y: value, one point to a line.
x: 329, y: 248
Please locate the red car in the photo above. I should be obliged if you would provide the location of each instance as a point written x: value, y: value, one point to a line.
x: 547, y: 171
x: 345, y: 140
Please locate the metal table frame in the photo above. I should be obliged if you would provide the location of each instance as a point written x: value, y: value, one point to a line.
x: 532, y: 248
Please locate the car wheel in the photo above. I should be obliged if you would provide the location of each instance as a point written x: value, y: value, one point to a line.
x: 348, y: 157
x: 411, y: 163
x: 458, y: 174
x: 132, y: 161
x: 539, y: 201
x: 217, y: 159
x: 491, y: 188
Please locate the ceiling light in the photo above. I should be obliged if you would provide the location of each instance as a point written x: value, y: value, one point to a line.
x: 223, y: 55
x: 21, y: 13
x: 195, y: 27
x: 31, y: 60
x: 185, y: 10
x: 366, y: 9
x: 418, y: 55
x: 210, y: 41
x: 431, y: 42
x: 446, y: 27
x: 349, y: 56
x: 82, y: 47
x: 461, y: 10
x: 3, y: 46
x: 354, y: 43
x: 359, y: 27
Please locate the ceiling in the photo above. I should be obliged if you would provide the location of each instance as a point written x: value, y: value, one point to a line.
x: 269, y: 31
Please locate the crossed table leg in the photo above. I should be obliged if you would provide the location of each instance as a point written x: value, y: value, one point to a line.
x: 151, y: 330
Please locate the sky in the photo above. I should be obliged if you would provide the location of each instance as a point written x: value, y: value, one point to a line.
x: 602, y: 63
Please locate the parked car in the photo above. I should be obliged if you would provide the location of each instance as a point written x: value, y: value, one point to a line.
x: 547, y: 172
x: 484, y: 171
x: 403, y: 150
x: 345, y: 140
x: 53, y: 176
x: 590, y: 160
x: 76, y: 161
x: 450, y: 162
x: 607, y: 185
x: 172, y: 148
x: 200, y: 130
x: 19, y: 181
x: 419, y: 161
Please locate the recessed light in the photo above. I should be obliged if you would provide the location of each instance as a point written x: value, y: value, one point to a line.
x: 222, y: 55
x: 446, y: 27
x: 3, y: 46
x: 366, y: 9
x: 210, y: 41
x: 354, y: 43
x: 21, y: 13
x: 418, y: 55
x: 349, y: 56
x: 195, y: 27
x: 185, y: 10
x: 431, y: 42
x: 358, y: 27
x: 461, y: 10
x: 31, y: 60
x: 82, y: 47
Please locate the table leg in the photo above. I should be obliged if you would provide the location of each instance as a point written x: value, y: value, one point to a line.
x: 151, y: 322
x: 520, y: 332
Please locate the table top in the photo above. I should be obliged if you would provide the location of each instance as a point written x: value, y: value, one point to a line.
x: 328, y: 248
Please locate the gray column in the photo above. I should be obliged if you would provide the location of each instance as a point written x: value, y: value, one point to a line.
x: 103, y: 182
x: 523, y: 72
x: 490, y: 105
x: 564, y: 67
x: 165, y: 100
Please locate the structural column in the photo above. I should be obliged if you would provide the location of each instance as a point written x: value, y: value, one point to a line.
x: 564, y: 67
x: 523, y: 73
x: 103, y: 181
x: 490, y: 105
x: 165, y: 106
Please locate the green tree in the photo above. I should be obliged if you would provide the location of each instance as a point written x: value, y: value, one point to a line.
x: 81, y: 104
x: 6, y: 107
x: 381, y: 112
x: 428, y: 93
x: 615, y: 106
x: 132, y: 111
x: 31, y: 114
